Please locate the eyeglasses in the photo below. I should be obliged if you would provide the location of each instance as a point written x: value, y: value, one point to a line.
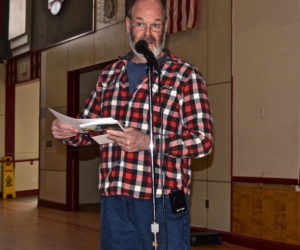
x: 155, y: 27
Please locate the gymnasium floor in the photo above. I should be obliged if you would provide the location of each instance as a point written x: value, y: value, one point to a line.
x: 24, y: 226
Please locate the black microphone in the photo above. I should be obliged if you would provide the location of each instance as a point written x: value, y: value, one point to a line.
x: 142, y: 47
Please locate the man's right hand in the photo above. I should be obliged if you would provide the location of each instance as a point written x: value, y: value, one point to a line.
x: 61, y: 130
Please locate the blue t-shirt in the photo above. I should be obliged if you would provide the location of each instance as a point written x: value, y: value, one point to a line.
x: 135, y: 71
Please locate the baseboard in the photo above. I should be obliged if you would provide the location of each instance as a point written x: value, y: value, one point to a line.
x: 27, y: 192
x: 251, y: 242
x: 24, y: 193
x: 52, y: 204
x: 206, y: 238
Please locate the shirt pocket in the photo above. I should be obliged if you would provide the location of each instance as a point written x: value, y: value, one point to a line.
x: 112, y: 101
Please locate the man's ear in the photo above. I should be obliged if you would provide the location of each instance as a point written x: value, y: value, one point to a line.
x: 127, y: 21
x: 166, y: 24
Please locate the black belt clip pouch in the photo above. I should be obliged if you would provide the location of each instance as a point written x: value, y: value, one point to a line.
x: 177, y: 199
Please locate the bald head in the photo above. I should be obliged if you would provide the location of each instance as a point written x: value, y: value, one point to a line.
x: 132, y: 4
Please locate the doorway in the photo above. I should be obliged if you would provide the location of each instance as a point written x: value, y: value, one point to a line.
x: 26, y: 141
x: 83, y: 162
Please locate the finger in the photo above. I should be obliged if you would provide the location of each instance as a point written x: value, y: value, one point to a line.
x: 59, y: 135
x: 130, y: 129
x: 67, y: 127
x: 59, y: 127
x: 64, y: 132
x: 116, y: 139
x: 115, y: 133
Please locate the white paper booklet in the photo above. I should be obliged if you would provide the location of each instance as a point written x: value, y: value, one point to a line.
x: 91, y: 125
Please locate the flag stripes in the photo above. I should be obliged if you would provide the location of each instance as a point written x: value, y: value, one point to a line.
x: 182, y: 14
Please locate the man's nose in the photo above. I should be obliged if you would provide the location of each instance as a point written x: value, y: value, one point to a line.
x: 147, y: 30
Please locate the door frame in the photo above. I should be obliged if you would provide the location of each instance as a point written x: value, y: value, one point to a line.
x: 72, y: 189
x: 11, y: 78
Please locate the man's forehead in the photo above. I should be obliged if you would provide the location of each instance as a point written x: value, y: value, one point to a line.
x: 149, y: 1
x: 148, y: 5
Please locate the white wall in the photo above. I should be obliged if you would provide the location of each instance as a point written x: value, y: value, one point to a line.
x: 266, y: 96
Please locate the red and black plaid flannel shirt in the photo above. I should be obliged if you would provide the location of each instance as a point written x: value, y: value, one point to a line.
x: 186, y: 127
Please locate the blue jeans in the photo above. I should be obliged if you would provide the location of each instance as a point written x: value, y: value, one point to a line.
x: 126, y: 224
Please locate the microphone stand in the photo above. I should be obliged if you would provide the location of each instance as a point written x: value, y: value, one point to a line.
x: 155, y: 224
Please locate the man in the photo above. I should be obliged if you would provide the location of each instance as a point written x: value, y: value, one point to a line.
x: 182, y: 127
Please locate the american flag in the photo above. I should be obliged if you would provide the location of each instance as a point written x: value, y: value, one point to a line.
x: 182, y: 14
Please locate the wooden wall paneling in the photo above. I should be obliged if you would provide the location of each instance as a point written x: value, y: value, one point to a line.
x: 270, y: 212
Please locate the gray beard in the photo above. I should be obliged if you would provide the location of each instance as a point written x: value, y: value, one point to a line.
x: 156, y: 50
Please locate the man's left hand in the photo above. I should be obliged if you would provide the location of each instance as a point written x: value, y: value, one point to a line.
x: 132, y: 140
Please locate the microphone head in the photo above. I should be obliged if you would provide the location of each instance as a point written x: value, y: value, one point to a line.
x: 141, y: 46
